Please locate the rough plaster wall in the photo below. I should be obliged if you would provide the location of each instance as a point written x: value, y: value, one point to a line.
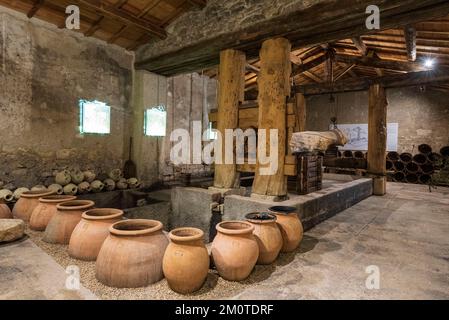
x: 44, y: 72
x: 423, y: 117
x: 218, y: 17
x: 187, y: 98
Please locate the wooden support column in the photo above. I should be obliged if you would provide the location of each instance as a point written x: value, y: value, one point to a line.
x: 274, y: 88
x: 231, y: 93
x: 377, y: 138
x: 300, y: 113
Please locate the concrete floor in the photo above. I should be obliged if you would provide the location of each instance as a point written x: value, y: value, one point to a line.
x: 404, y: 234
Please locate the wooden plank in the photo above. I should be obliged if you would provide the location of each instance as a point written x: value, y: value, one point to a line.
x: 358, y: 42
x: 274, y: 88
x: 35, y: 8
x: 378, y: 63
x: 230, y: 94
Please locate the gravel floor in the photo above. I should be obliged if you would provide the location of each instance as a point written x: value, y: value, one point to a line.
x: 214, y: 288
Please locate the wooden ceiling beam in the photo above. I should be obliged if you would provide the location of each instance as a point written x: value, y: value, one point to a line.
x: 378, y: 63
x: 198, y: 3
x: 309, y: 65
x: 345, y: 71
x: 125, y: 18
x: 312, y: 76
x: 35, y: 8
x: 440, y: 76
x: 360, y: 45
x: 410, y: 41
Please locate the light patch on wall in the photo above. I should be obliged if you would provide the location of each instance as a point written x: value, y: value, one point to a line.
x: 95, y: 117
x: 155, y: 121
x: 423, y: 132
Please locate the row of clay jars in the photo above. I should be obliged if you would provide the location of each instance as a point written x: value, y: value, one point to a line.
x: 90, y: 233
x: 68, y: 215
x: 131, y: 256
x: 27, y: 202
x: 45, y: 210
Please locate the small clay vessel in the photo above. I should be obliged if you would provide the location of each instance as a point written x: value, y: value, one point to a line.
x: 18, y: 192
x: 45, y: 210
x: 5, y: 212
x: 91, y: 231
x: 268, y: 236
x: 67, y: 216
x: 57, y: 188
x: 290, y: 226
x: 28, y: 202
x: 235, y: 250
x: 131, y: 256
x: 186, y: 260
x: 6, y: 195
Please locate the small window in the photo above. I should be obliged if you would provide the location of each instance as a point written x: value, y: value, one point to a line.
x: 95, y: 117
x: 211, y: 132
x: 155, y: 121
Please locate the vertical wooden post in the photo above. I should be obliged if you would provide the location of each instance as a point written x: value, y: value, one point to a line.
x: 377, y: 138
x: 274, y: 88
x: 231, y: 92
x: 300, y: 113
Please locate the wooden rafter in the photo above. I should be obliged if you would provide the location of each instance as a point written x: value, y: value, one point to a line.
x: 358, y: 42
x: 345, y: 71
x: 378, y: 63
x: 126, y: 18
x: 35, y: 8
x: 410, y: 42
x: 198, y: 3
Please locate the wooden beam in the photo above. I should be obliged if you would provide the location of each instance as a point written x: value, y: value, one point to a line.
x: 314, y: 77
x: 252, y: 68
x: 345, y: 71
x: 198, y: 3
x: 410, y: 41
x: 230, y: 94
x: 117, y: 14
x: 300, y: 112
x: 295, y: 59
x: 305, y: 26
x: 94, y: 27
x: 378, y: 63
x: 358, y: 42
x: 297, y: 70
x: 274, y: 88
x: 35, y: 8
x: 377, y: 138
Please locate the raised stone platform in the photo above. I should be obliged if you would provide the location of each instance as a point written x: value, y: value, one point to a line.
x: 194, y: 206
x: 336, y: 196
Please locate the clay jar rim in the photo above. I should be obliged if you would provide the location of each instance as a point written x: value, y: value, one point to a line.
x: 102, y: 214
x: 55, y: 199
x: 186, y: 234
x: 135, y: 227
x: 241, y: 227
x: 75, y: 205
x: 250, y: 217
x: 37, y: 194
x: 283, y: 210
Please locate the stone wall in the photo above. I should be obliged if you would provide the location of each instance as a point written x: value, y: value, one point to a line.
x: 187, y: 98
x: 44, y: 72
x: 423, y: 116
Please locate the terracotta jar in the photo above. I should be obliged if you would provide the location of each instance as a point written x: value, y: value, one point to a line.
x: 91, y: 231
x: 268, y: 236
x: 67, y: 216
x: 5, y: 212
x: 186, y: 260
x: 131, y: 256
x: 235, y: 250
x: 290, y: 226
x: 28, y: 202
x: 45, y: 210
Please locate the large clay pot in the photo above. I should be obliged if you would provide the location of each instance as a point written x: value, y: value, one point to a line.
x: 268, y: 236
x: 290, y: 226
x: 67, y: 216
x: 235, y: 250
x: 5, y: 212
x: 91, y: 231
x: 28, y: 202
x: 131, y: 256
x: 186, y: 260
x: 45, y: 210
